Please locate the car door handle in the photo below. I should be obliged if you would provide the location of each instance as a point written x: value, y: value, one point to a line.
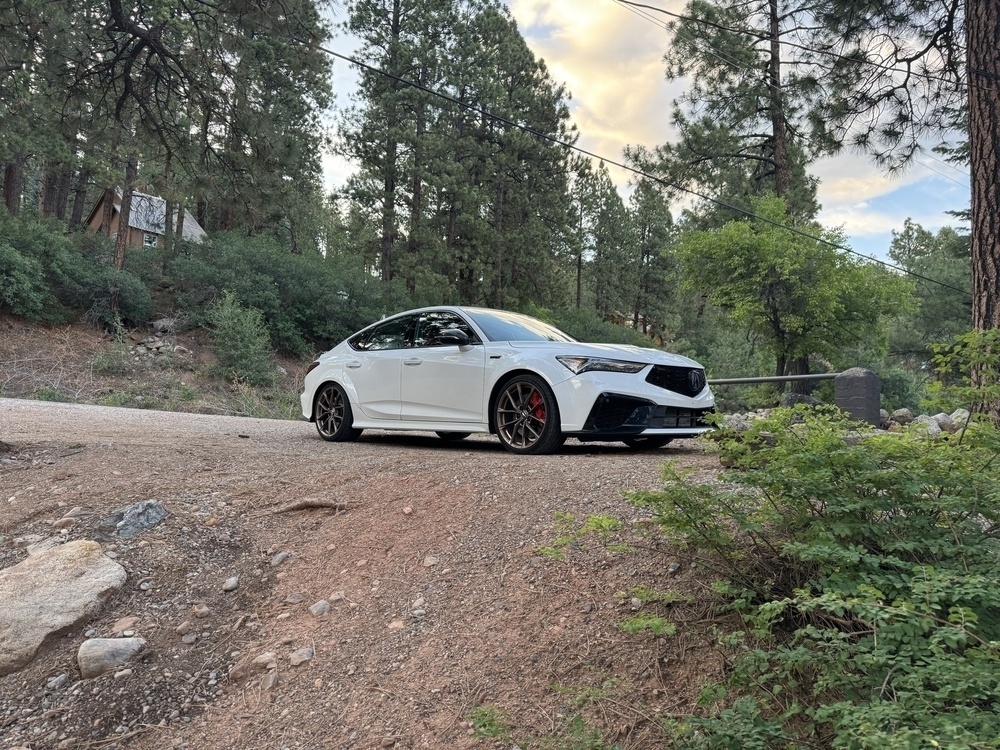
x: 353, y: 365
x: 411, y: 361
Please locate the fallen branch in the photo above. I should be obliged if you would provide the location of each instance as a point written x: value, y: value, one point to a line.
x: 309, y: 503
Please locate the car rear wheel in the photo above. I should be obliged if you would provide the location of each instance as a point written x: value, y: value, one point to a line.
x: 453, y: 437
x: 527, y: 416
x: 334, y: 419
x: 647, y: 443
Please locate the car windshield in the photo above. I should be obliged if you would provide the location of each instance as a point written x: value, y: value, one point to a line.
x: 505, y: 326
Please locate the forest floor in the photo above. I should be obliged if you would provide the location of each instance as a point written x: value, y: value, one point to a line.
x: 448, y: 622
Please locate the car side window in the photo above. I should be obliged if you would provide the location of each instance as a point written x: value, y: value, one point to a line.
x: 393, y: 334
x: 431, y: 324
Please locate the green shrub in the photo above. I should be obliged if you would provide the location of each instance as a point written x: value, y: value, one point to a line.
x: 241, y: 342
x: 863, y: 571
x: 305, y: 301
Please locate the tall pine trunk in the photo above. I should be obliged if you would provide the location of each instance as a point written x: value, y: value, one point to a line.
x: 779, y: 136
x: 982, y: 27
x: 13, y: 184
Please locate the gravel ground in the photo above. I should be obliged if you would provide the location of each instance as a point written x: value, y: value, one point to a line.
x: 441, y: 616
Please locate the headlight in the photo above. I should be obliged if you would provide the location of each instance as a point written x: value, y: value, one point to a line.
x: 580, y: 365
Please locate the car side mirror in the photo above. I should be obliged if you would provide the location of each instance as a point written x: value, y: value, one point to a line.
x: 452, y: 337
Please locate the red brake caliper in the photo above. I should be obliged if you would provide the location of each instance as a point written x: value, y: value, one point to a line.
x: 537, y: 405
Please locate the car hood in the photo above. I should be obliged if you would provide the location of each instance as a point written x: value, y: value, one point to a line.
x: 610, y: 351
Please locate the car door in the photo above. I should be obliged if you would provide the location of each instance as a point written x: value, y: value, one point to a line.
x: 375, y: 366
x: 443, y: 383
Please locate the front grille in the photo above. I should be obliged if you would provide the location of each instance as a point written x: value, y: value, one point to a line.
x: 687, y: 381
x: 668, y: 417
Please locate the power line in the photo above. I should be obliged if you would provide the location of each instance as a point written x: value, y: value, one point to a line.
x: 634, y: 8
x: 666, y: 183
x: 765, y: 37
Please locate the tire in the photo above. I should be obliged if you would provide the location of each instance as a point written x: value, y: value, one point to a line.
x: 648, y: 443
x: 333, y: 416
x: 453, y: 437
x: 526, y: 416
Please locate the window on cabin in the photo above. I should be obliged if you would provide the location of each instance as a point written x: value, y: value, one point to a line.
x: 149, y: 239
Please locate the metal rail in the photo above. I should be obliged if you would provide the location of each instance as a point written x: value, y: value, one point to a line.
x: 775, y: 379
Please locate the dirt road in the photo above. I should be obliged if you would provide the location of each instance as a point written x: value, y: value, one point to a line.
x: 444, y: 620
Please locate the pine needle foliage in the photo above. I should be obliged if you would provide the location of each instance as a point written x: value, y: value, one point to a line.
x: 862, y: 571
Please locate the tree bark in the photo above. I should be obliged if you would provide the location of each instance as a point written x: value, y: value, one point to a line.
x: 982, y: 28
x: 121, y: 238
x: 79, y: 199
x: 13, y: 184
x: 391, y: 149
x: 782, y: 167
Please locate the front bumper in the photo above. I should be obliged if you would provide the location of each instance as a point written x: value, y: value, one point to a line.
x: 615, y: 416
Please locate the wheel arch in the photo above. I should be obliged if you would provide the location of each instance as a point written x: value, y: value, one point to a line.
x: 501, y: 382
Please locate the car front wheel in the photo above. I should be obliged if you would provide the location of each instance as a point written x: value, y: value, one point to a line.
x: 334, y: 419
x: 527, y: 416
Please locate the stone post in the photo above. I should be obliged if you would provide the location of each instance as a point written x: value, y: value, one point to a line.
x: 858, y: 392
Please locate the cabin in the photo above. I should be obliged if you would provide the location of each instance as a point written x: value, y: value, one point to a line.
x: 146, y: 221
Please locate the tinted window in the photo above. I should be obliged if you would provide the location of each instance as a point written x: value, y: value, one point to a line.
x: 504, y: 326
x: 393, y: 334
x: 431, y: 324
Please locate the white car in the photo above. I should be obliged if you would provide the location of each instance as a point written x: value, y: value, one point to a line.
x: 460, y: 370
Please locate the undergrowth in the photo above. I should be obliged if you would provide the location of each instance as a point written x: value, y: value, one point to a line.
x: 863, y: 570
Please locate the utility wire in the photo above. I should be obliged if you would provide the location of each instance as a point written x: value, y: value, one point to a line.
x: 666, y: 183
x: 765, y: 37
x: 635, y: 8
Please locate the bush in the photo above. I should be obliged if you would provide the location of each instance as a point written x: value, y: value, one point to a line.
x: 241, y: 341
x: 863, y: 572
x: 305, y: 301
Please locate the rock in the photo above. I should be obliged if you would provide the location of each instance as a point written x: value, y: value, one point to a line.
x: 269, y: 681
x: 99, y: 655
x: 792, y: 399
x: 294, y: 598
x: 49, y: 592
x: 901, y: 416
x: 945, y: 422
x: 57, y: 682
x: 931, y: 427
x: 267, y: 660
x: 134, y: 519
x: 883, y: 418
x: 320, y: 608
x: 430, y: 561
x: 165, y: 325
x: 960, y: 417
x: 673, y: 568
x: 231, y: 584
x: 301, y: 656
x: 201, y: 610
x: 184, y: 628
x: 125, y: 623
x: 279, y: 558
x: 64, y: 523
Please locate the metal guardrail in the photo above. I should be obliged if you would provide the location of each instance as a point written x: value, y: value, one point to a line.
x: 775, y: 379
x: 857, y: 391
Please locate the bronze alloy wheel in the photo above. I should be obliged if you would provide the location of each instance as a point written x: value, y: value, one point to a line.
x: 334, y: 419
x: 527, y: 418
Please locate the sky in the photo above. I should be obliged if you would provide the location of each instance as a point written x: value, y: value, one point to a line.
x: 610, y: 58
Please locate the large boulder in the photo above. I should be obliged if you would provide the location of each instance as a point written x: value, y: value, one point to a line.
x: 51, y: 591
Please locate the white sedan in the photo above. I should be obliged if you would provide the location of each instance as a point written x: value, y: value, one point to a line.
x: 460, y: 370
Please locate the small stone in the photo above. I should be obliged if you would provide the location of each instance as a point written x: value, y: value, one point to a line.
x: 125, y: 623
x: 57, y: 682
x: 184, y: 628
x: 673, y: 568
x: 320, y: 608
x: 64, y: 523
x: 280, y: 558
x: 269, y: 681
x: 407, y: 510
x: 211, y: 522
x: 201, y: 610
x: 189, y: 638
x: 430, y: 561
x: 231, y: 584
x: 267, y: 660
x: 635, y: 604
x: 294, y: 598
x: 301, y: 656
x: 396, y: 625
x: 99, y: 655
x: 123, y: 673
x: 418, y: 603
